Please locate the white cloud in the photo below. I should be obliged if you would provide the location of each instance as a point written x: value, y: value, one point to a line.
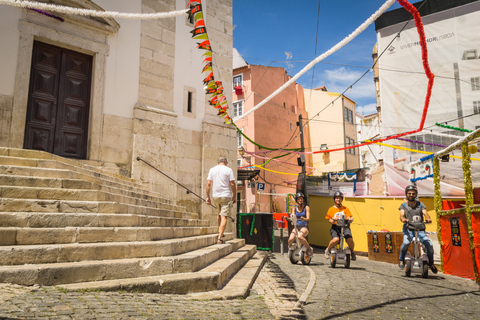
x: 366, y: 109
x: 337, y: 80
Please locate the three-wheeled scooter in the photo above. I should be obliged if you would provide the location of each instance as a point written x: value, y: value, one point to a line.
x: 341, y: 255
x: 297, y: 251
x: 419, y: 262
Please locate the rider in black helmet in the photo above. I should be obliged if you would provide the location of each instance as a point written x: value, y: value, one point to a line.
x: 412, y: 207
x: 302, y: 211
x: 336, y: 212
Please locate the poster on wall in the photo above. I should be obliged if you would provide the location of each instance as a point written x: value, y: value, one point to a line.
x: 375, y: 243
x: 454, y: 226
x: 388, y: 242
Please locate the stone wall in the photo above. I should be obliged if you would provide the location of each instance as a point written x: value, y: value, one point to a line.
x: 6, y: 105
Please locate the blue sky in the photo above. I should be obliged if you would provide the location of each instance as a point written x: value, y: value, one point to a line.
x: 265, y: 31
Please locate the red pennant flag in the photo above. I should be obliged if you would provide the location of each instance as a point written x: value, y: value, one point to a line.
x: 205, y: 45
x: 194, y: 9
x: 193, y: 1
x: 199, y: 23
x: 198, y: 31
x: 208, y: 78
x: 213, y: 101
x: 219, y: 90
x: 207, y: 59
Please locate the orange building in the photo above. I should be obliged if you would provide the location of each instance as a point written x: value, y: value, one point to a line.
x: 274, y: 125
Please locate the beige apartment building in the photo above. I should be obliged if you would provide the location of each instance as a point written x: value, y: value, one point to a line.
x: 332, y: 126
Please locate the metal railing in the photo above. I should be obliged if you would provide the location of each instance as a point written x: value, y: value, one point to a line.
x: 181, y: 185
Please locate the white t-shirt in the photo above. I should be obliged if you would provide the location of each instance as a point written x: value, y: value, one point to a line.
x: 221, y: 176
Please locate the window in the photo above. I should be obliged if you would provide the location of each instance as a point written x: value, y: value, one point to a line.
x: 349, y: 142
x: 239, y: 162
x: 475, y: 83
x: 348, y: 115
x: 239, y: 139
x: 189, y: 102
x: 469, y: 54
x: 237, y: 81
x: 476, y: 107
x: 291, y: 127
x: 189, y: 105
x: 237, y: 108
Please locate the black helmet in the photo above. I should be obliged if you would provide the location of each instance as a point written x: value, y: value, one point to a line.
x: 411, y: 187
x: 337, y: 194
x: 299, y: 195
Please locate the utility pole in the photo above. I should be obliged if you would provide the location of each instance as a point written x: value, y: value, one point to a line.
x: 302, y: 177
x: 302, y: 145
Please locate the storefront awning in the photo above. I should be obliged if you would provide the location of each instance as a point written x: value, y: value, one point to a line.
x: 245, y: 174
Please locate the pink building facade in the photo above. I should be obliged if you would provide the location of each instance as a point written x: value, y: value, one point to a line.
x: 274, y: 125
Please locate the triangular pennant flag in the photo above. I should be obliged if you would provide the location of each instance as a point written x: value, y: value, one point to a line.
x: 193, y: 1
x: 211, y: 91
x: 198, y: 16
x: 199, y: 23
x: 207, y: 59
x: 207, y: 53
x: 205, y: 45
x: 208, y: 78
x: 213, y: 101
x: 208, y: 67
x: 198, y: 31
x: 193, y: 10
x: 219, y: 90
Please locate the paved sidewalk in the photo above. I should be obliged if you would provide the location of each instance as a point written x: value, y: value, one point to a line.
x: 368, y: 290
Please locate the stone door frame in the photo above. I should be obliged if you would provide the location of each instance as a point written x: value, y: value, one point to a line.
x: 78, y: 34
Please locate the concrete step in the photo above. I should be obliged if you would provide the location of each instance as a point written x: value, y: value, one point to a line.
x: 37, y: 236
x: 62, y: 220
x: 75, y: 252
x: 122, y: 268
x: 212, y: 277
x: 71, y: 206
x: 43, y: 193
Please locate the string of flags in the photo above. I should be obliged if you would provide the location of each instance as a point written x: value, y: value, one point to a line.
x: 212, y: 87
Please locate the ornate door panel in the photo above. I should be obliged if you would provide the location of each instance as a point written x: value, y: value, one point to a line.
x: 59, y: 101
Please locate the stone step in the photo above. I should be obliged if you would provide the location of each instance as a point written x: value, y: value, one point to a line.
x: 43, y: 193
x: 36, y: 236
x: 124, y: 268
x: 39, y: 156
x: 88, y: 181
x: 238, y: 287
x: 71, y: 206
x: 62, y: 220
x: 76, y: 252
x: 212, y: 277
x: 63, y: 183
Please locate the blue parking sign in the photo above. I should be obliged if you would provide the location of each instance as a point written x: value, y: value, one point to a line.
x: 261, y: 186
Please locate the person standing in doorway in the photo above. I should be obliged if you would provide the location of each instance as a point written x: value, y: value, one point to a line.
x: 221, y: 185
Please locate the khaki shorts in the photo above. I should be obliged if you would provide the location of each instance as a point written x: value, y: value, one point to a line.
x: 223, y: 205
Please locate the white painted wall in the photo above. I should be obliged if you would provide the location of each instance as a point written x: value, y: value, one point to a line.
x: 9, y: 39
x: 188, y: 71
x: 123, y: 61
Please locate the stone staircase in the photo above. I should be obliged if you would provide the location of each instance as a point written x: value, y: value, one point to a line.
x: 66, y: 223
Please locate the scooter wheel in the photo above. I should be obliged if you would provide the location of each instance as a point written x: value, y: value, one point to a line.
x: 347, y: 261
x: 291, y: 256
x: 333, y: 260
x: 408, y: 268
x: 425, y: 270
x: 305, y: 258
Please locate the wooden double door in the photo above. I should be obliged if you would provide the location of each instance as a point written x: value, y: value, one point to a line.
x: 58, y: 101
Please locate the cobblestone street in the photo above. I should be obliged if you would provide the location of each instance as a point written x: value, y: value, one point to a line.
x: 368, y: 290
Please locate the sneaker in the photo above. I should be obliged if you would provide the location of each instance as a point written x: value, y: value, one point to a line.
x: 310, y: 252
x: 353, y: 256
x: 327, y: 254
x: 401, y: 264
x: 433, y: 268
